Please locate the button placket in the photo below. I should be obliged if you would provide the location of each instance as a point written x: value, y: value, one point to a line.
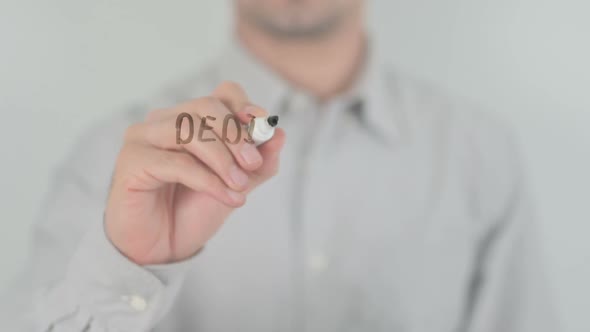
x: 136, y: 302
x: 317, y: 262
x: 317, y: 259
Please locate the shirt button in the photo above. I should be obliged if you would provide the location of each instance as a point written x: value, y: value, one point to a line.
x: 138, y: 303
x: 318, y: 262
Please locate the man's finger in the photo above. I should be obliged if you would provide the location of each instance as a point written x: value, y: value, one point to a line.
x: 160, y: 167
x: 235, y: 98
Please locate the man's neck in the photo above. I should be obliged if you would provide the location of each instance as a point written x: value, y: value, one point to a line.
x: 324, y: 67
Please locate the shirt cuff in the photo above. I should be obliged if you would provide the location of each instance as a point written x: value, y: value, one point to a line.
x: 117, y: 293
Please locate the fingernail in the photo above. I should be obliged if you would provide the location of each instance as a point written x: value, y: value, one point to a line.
x: 250, y: 154
x: 255, y: 110
x: 250, y: 109
x: 238, y: 176
x: 235, y: 196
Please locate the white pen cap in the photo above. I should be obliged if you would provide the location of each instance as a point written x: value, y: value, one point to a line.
x: 264, y: 129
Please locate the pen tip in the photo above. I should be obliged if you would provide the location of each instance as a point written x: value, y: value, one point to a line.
x: 273, y: 120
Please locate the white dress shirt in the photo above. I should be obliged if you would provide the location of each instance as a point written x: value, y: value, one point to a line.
x: 396, y: 208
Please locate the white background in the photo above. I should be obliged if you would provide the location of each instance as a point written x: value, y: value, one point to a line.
x: 65, y: 64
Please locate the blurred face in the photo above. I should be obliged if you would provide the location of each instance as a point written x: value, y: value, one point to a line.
x: 297, y: 18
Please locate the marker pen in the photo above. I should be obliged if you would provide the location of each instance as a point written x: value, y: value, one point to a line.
x: 264, y: 129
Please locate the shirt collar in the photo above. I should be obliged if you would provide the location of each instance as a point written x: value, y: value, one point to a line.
x: 370, y: 96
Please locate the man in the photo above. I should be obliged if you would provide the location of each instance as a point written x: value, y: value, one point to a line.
x: 393, y: 209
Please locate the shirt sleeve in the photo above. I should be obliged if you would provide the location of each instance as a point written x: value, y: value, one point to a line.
x: 510, y: 290
x: 76, y: 280
x: 104, y: 290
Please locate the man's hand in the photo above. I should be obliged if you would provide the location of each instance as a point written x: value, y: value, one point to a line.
x: 167, y: 200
